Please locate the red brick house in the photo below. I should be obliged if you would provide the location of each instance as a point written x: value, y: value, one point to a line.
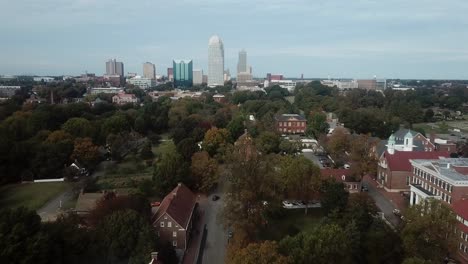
x: 461, y: 209
x: 291, y: 124
x: 344, y: 176
x: 173, y: 218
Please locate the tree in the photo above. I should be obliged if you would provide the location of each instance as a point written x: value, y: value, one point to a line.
x: 127, y: 236
x: 428, y: 231
x: 317, y: 124
x: 146, y: 153
x: 428, y: 115
x: 362, y: 156
x: 382, y: 244
x: 187, y: 147
x: 236, y: 127
x: 204, y: 171
x: 338, y: 144
x: 333, y: 196
x: 85, y: 152
x: 327, y: 243
x: 215, y: 140
x: 268, y: 142
x: 78, y: 127
x: 259, y: 253
x: 287, y: 147
x: 361, y: 209
x: 169, y: 170
x: 300, y: 177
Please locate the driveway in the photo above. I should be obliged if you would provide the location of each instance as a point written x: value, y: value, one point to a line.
x: 216, y: 239
x: 382, y: 202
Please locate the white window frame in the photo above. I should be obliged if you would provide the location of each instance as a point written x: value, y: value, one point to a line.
x: 169, y: 224
x: 161, y: 224
x: 174, y: 233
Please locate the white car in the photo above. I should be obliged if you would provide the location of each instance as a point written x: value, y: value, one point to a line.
x: 307, y: 150
x: 287, y: 204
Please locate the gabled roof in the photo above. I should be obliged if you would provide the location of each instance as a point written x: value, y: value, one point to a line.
x: 288, y: 117
x: 178, y: 204
x: 400, y: 160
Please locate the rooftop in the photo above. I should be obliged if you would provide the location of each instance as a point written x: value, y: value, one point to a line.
x: 400, y: 160
x: 455, y: 169
x: 287, y: 117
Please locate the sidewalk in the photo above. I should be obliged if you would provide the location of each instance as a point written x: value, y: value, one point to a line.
x: 398, y: 200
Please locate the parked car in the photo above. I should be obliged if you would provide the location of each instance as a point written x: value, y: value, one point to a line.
x: 397, y: 212
x: 215, y: 198
x: 287, y: 203
x: 364, y: 188
x: 347, y: 166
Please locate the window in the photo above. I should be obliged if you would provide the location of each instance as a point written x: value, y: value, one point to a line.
x: 162, y: 224
x: 174, y: 234
x: 169, y: 224
x: 174, y: 243
x: 289, y: 123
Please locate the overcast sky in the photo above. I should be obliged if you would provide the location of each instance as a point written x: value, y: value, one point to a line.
x: 319, y: 38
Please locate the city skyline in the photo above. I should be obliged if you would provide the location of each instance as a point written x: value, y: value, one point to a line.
x: 355, y: 39
x: 215, y: 61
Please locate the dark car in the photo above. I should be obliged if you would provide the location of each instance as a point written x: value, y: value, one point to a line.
x: 215, y: 198
x: 364, y: 188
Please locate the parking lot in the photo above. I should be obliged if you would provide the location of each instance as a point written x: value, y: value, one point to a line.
x: 320, y: 160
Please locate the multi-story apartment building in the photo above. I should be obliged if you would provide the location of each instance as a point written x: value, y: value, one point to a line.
x: 291, y: 124
x: 444, y: 179
x: 142, y: 82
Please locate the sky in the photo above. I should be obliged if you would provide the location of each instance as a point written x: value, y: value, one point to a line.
x: 408, y: 39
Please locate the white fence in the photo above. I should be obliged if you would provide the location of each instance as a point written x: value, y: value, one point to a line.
x: 50, y: 180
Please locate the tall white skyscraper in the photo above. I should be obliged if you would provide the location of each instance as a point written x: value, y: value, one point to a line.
x: 242, y: 64
x: 215, y: 61
x: 149, y: 70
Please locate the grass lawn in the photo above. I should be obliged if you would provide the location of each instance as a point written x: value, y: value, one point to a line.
x: 163, y: 147
x: 293, y: 222
x: 31, y: 195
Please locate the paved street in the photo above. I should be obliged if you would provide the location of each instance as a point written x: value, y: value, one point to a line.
x: 216, y: 240
x: 382, y: 202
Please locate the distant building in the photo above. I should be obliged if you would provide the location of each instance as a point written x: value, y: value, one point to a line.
x: 244, y: 77
x: 8, y: 91
x: 142, y: 82
x: 341, y: 84
x: 227, y: 75
x: 114, y: 80
x: 219, y: 98
x: 367, y: 84
x: 114, y: 67
x: 352, y: 185
x: 106, y: 90
x: 183, y: 73
x: 242, y: 63
x: 215, y: 62
x: 291, y: 124
x: 123, y: 98
x: 149, y: 70
x: 286, y: 84
x: 205, y: 78
x: 170, y: 74
x: 131, y: 75
x: 197, y: 77
x: 173, y: 219
x: 43, y: 79
x: 274, y: 77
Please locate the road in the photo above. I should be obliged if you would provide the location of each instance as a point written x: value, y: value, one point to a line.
x: 217, y: 237
x: 52, y: 208
x: 383, y: 204
x: 311, y: 156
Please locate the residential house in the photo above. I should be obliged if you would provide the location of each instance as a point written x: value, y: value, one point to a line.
x: 394, y: 168
x: 173, y: 219
x: 352, y: 185
x: 291, y: 124
x: 124, y: 98
x: 219, y: 98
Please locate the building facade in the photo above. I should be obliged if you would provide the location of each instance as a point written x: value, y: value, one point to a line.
x: 367, y: 84
x: 215, y: 62
x: 170, y: 74
x: 114, y: 67
x: 123, y: 98
x: 286, y: 84
x: 149, y: 70
x: 8, y: 91
x: 142, y: 82
x: 291, y: 124
x: 461, y: 210
x: 183, y: 73
x: 173, y: 219
x: 197, y: 77
x: 242, y: 63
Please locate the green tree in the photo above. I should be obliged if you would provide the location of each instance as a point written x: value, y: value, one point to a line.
x: 382, y: 244
x: 333, y: 196
x: 146, y: 153
x: 78, y: 127
x: 169, y: 170
x: 328, y: 243
x: 204, y: 171
x: 215, y: 140
x: 259, y: 253
x: 85, y: 152
x: 268, y: 142
x: 187, y: 147
x: 300, y: 178
x: 428, y: 231
x: 317, y: 124
x: 236, y: 127
x: 127, y: 237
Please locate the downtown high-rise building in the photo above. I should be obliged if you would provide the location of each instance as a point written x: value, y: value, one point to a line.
x: 242, y: 63
x: 114, y: 67
x: 183, y: 73
x: 197, y: 77
x: 149, y: 70
x: 215, y: 61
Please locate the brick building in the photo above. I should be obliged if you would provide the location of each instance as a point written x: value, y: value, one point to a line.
x: 173, y: 218
x: 394, y: 168
x: 123, y: 98
x: 291, y: 124
x: 342, y: 175
x: 461, y: 209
